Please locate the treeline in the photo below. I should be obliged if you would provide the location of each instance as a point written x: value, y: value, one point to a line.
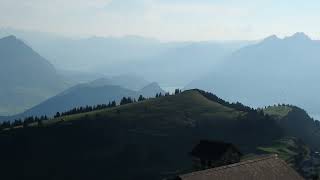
x: 128, y: 100
x: 238, y: 106
x: 24, y: 122
x: 280, y: 105
x: 28, y: 121
x: 85, y: 109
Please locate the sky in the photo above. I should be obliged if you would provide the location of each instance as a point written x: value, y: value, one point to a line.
x: 167, y: 20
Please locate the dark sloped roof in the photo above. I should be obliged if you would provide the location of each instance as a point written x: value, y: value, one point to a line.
x: 211, y: 149
x: 263, y: 168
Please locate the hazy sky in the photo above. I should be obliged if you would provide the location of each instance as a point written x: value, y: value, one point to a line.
x: 165, y: 19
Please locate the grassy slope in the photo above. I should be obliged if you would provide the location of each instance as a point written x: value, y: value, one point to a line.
x: 189, y: 104
x: 292, y: 150
x: 147, y: 140
x: 297, y: 123
x: 278, y: 111
x: 287, y: 148
x: 296, y: 153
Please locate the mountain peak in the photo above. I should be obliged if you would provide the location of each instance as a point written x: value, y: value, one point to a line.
x: 12, y: 37
x: 101, y: 82
x: 299, y: 36
x: 151, y: 89
x: 153, y: 84
x: 271, y: 38
x: 12, y: 41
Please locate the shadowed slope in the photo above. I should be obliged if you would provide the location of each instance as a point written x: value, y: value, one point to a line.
x: 146, y: 140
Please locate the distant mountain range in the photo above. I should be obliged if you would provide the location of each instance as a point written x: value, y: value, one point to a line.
x: 101, y: 91
x: 98, y: 50
x: 129, y: 81
x: 272, y: 71
x: 178, y: 66
x: 146, y: 57
x: 26, y: 78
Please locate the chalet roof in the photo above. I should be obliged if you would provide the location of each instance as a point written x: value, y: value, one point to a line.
x: 212, y: 149
x: 263, y: 168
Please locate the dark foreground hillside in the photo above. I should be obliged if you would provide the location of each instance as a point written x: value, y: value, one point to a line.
x: 296, y: 123
x: 144, y: 140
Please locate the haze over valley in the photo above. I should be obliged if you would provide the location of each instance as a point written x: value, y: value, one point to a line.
x: 283, y: 70
x: 159, y: 90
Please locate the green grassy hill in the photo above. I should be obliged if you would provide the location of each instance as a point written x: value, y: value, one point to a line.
x: 288, y: 149
x: 144, y: 140
x: 297, y: 123
x: 176, y: 109
x: 278, y: 112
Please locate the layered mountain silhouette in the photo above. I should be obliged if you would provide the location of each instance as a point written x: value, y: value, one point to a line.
x: 151, y: 89
x: 149, y: 58
x: 179, y: 65
x: 26, y: 78
x: 101, y: 51
x: 272, y: 71
x: 129, y: 81
x: 101, y: 91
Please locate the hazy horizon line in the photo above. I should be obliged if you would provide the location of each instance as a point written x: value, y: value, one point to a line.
x: 88, y: 36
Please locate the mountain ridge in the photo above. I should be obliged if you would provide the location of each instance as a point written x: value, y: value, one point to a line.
x: 280, y: 69
x: 26, y: 78
x: 86, y: 94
